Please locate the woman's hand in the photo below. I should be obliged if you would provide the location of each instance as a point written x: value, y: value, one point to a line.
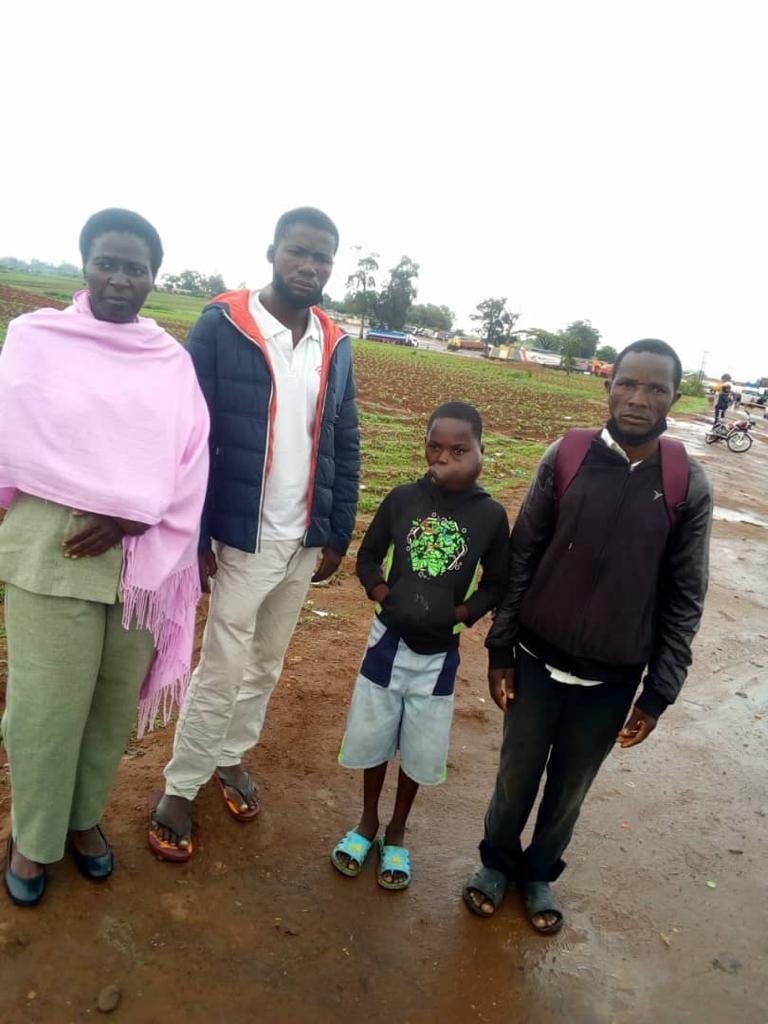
x: 131, y: 528
x: 102, y: 533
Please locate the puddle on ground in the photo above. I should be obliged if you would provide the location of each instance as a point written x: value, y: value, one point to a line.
x: 730, y: 515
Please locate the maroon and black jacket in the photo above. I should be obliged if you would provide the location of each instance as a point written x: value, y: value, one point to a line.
x: 600, y: 583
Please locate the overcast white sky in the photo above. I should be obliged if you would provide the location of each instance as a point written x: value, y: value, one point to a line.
x: 595, y: 160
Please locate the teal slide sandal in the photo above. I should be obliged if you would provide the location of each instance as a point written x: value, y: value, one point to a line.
x: 393, y: 858
x: 356, y: 847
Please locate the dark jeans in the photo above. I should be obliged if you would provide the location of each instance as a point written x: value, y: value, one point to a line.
x: 567, y: 729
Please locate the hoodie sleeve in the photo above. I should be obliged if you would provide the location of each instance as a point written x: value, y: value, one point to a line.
x: 374, y: 547
x: 494, y: 564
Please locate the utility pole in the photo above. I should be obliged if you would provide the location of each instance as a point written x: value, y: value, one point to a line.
x: 704, y: 355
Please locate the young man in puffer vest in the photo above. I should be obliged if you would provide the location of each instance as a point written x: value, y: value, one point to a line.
x: 277, y: 375
x: 608, y: 573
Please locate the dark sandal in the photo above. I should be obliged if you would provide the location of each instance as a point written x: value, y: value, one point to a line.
x: 25, y: 892
x: 173, y: 852
x: 97, y: 867
x: 539, y: 899
x: 232, y: 807
x: 489, y: 883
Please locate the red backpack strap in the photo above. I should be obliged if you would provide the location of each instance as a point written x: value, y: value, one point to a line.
x: 675, y: 475
x: 571, y: 453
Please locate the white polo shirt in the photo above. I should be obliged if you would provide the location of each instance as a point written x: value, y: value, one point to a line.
x: 297, y: 384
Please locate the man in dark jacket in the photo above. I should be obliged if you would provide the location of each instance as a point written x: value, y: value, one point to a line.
x: 722, y: 402
x: 282, y: 494
x: 607, y: 584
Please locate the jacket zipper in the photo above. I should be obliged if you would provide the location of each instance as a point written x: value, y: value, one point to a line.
x: 269, y: 425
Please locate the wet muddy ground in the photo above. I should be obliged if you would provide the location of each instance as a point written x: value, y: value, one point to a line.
x: 665, y: 893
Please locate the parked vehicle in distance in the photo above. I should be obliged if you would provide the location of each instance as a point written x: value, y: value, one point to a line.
x: 754, y: 398
x: 466, y: 345
x: 502, y: 352
x: 392, y: 337
x: 601, y: 369
x: 543, y: 357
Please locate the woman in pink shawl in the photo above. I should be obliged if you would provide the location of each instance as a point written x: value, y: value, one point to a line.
x: 103, y: 470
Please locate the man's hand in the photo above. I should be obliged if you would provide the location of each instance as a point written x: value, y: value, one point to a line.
x: 380, y: 593
x: 99, y: 536
x: 207, y: 563
x: 637, y: 727
x: 501, y: 684
x: 329, y: 563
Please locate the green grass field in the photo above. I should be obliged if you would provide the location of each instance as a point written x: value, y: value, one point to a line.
x: 179, y: 308
x: 492, y: 384
x: 523, y: 407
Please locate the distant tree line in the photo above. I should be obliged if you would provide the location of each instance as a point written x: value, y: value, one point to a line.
x: 391, y: 303
x: 192, y: 282
x: 188, y: 282
x: 578, y: 340
x: 40, y: 267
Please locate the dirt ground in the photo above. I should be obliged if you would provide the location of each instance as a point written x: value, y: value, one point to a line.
x: 665, y: 893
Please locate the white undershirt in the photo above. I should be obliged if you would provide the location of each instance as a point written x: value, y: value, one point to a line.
x: 557, y: 674
x: 296, y: 372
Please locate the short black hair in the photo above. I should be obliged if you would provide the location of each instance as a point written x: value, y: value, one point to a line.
x: 307, y: 215
x: 125, y: 222
x: 657, y: 348
x: 459, y: 411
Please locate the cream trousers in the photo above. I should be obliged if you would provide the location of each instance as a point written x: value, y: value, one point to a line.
x: 255, y: 604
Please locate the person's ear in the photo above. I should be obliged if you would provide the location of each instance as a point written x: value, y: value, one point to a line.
x: 482, y: 448
x: 607, y: 384
x: 271, y: 253
x: 678, y: 395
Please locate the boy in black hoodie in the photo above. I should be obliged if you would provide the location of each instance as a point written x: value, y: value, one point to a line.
x: 420, y: 561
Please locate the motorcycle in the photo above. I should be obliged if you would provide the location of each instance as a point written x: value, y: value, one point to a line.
x: 735, y: 434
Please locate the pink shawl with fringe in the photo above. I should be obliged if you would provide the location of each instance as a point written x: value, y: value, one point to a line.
x: 109, y: 418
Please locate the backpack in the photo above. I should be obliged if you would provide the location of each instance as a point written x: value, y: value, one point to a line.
x: 675, y: 468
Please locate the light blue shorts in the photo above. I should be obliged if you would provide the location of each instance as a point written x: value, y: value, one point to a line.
x: 402, y: 700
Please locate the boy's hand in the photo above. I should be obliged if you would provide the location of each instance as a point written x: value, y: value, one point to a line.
x: 501, y: 684
x: 637, y: 728
x: 461, y: 612
x: 329, y: 563
x: 380, y: 593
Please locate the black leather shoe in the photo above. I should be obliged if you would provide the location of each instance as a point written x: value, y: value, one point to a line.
x: 96, y: 868
x: 25, y: 892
